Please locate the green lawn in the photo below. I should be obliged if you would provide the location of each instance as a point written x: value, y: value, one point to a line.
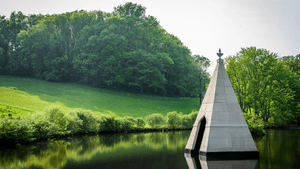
x: 79, y: 96
x: 19, y: 103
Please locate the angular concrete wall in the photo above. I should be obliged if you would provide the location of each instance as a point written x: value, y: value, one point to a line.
x: 226, y: 129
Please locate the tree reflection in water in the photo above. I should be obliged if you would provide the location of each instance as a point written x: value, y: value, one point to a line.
x: 278, y: 149
x: 56, y: 153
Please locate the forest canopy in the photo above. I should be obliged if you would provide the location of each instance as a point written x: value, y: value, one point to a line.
x: 123, y: 50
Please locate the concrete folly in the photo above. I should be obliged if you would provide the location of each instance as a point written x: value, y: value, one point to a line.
x: 220, y: 128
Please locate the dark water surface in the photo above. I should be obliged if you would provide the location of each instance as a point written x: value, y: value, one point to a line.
x: 278, y: 149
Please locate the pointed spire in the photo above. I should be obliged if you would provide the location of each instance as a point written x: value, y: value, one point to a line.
x: 220, y: 54
x: 220, y: 126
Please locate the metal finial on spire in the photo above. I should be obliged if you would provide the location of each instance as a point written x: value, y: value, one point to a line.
x: 219, y: 54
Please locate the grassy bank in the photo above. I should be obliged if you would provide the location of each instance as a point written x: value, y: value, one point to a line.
x: 32, y: 109
x: 54, y: 121
x: 19, y: 103
x: 53, y: 111
x: 95, y: 99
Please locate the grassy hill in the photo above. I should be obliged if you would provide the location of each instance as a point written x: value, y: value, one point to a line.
x: 34, y: 95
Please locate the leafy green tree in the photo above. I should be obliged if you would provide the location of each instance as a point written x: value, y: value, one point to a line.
x: 174, y: 120
x: 140, y: 122
x: 4, y: 44
x: 202, y: 63
x: 35, y: 47
x: 264, y: 86
x: 9, y: 28
x: 130, y: 9
x: 293, y: 63
x: 155, y: 120
x: 124, y: 50
x: 179, y: 73
x: 47, y: 46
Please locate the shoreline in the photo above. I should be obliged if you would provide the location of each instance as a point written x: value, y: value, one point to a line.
x: 13, y: 143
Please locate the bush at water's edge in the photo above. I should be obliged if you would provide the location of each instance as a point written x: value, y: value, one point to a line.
x: 54, y: 122
x: 256, y: 125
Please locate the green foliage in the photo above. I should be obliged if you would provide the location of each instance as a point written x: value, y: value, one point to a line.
x: 74, y: 123
x: 16, y: 129
x: 6, y: 110
x: 293, y: 64
x: 187, y: 121
x: 41, y: 125
x: 130, y: 9
x: 156, y: 120
x: 108, y: 123
x: 174, y: 120
x: 9, y: 44
x: 54, y: 121
x: 56, y: 116
x: 140, y: 122
x: 193, y: 115
x: 265, y: 86
x: 201, y: 64
x: 125, y: 124
x: 89, y: 122
x: 54, y: 154
x: 124, y: 50
x: 131, y: 119
x: 256, y: 125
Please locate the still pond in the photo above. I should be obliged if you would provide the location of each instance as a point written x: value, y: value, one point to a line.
x: 163, y: 150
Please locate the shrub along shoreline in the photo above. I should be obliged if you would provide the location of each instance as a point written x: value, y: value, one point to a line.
x: 53, y: 122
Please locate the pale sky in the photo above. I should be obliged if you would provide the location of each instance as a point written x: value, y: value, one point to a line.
x: 203, y: 26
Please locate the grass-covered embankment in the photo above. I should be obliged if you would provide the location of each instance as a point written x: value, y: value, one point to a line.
x: 53, y: 121
x: 95, y: 99
x: 25, y: 117
x: 19, y: 103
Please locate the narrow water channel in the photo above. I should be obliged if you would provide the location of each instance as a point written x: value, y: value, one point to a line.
x: 278, y: 149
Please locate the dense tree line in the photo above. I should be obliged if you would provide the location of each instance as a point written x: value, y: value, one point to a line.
x: 266, y: 86
x: 124, y: 50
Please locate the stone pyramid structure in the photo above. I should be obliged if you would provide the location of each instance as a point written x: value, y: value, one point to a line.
x: 220, y: 128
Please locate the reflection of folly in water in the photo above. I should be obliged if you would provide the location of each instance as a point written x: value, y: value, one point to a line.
x: 200, y: 162
x: 220, y: 130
